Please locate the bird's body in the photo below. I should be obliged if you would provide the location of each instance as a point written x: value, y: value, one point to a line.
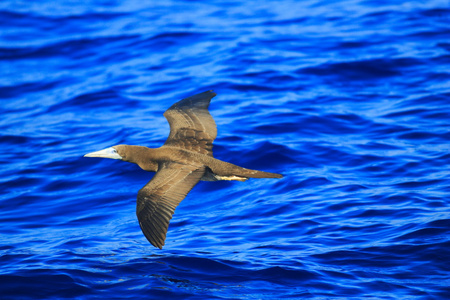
x: 148, y: 159
x: 184, y: 160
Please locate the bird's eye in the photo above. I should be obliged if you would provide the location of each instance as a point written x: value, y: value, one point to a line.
x: 114, y: 150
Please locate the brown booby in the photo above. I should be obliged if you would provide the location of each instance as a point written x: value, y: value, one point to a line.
x: 185, y: 158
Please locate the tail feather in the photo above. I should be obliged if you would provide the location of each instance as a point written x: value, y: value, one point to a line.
x: 227, y: 171
x: 258, y: 174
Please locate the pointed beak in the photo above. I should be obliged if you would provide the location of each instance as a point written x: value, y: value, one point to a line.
x: 105, y: 153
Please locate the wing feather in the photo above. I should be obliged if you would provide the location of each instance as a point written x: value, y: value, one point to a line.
x: 158, y: 199
x: 191, y: 125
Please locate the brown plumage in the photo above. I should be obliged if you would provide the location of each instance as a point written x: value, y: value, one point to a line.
x: 185, y: 158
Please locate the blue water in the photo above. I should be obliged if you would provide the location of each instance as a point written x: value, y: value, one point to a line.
x: 350, y: 100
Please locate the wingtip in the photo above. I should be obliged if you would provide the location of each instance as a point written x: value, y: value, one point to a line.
x: 156, y: 244
x: 200, y: 100
x: 212, y: 92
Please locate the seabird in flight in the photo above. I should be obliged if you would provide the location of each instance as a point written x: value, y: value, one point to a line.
x: 185, y: 158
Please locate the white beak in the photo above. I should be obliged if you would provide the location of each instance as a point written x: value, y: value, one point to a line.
x: 105, y: 153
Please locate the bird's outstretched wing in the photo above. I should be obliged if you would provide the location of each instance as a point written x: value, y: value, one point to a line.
x: 191, y: 126
x: 157, y: 200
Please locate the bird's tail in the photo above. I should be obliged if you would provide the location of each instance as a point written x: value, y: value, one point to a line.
x: 227, y: 171
x: 245, y: 174
x: 258, y: 174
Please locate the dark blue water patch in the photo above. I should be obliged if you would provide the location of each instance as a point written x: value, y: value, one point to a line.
x: 423, y: 136
x: 62, y: 285
x: 269, y: 155
x: 24, y: 182
x: 387, y: 131
x: 7, y: 92
x: 445, y: 46
x: 271, y: 78
x: 170, y: 39
x: 46, y: 22
x: 16, y: 140
x: 94, y: 100
x: 421, y: 184
x: 314, y: 182
x: 423, y: 234
x: 328, y: 155
x: 435, y: 101
x: 424, y: 113
x: 85, y: 47
x: 227, y: 274
x: 362, y: 70
x: 334, y: 124
x: 249, y: 87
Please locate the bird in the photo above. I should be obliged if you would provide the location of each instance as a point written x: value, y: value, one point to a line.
x: 180, y: 163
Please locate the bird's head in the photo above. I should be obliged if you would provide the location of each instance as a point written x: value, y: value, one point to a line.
x: 114, y: 152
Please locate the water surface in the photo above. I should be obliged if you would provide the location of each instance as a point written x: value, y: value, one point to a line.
x: 350, y: 100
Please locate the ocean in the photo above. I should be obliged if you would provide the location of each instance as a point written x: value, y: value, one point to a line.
x: 349, y: 100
